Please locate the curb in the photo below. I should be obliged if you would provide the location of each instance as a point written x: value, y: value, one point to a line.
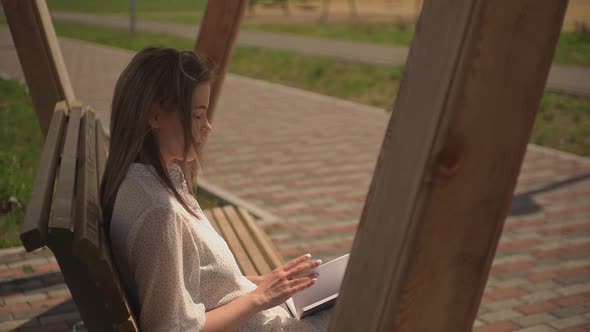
x: 12, y: 250
x: 559, y: 153
x: 229, y: 198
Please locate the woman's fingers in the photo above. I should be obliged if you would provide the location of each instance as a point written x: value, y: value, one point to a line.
x: 292, y: 264
x: 301, y: 283
x: 305, y: 268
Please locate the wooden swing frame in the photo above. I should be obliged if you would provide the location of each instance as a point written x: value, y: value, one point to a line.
x: 448, y: 164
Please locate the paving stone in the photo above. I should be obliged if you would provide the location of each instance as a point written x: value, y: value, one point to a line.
x: 9, y: 325
x: 541, y: 295
x: 31, y: 262
x: 50, y: 319
x: 499, y: 305
x: 571, y: 311
x: 569, y: 322
x: 535, y: 319
x: 25, y: 298
x: 500, y: 315
x: 537, y: 328
x: 28, y: 314
x: 574, y: 289
x: 5, y: 316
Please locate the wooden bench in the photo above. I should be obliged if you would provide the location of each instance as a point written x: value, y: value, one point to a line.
x: 64, y: 215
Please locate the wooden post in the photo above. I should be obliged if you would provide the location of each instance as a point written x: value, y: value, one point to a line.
x: 40, y: 56
x: 448, y: 166
x: 217, y: 36
x: 132, y: 18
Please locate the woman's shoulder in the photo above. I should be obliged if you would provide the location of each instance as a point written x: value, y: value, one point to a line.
x: 137, y: 195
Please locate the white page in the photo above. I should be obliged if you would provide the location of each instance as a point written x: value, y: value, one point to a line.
x: 328, y: 283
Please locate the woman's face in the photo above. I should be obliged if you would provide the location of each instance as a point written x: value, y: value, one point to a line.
x: 170, y: 130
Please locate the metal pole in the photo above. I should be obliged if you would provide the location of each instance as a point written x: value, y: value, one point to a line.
x: 132, y: 18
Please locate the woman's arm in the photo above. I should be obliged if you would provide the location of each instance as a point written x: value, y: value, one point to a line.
x: 255, y: 279
x: 231, y: 316
x: 159, y: 251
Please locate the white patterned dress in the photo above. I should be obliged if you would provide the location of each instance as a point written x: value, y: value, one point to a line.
x: 175, y: 267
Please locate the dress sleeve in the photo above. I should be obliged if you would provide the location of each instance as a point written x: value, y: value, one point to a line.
x: 165, y: 260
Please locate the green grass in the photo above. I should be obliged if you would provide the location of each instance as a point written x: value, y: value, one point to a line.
x: 563, y: 123
x: 117, y: 37
x: 381, y: 33
x: 21, y: 142
x: 367, y: 84
x: 122, y: 6
x: 20, y: 146
x: 573, y: 48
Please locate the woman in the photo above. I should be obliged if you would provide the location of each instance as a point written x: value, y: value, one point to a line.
x: 178, y: 272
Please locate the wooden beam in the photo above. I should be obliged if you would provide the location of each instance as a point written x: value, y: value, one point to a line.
x: 40, y: 56
x: 216, y: 39
x: 448, y: 166
x: 33, y: 231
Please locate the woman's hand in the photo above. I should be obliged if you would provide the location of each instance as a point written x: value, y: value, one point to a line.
x: 279, y: 285
x: 255, y: 279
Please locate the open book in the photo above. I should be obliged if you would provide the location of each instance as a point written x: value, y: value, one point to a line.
x: 323, y: 293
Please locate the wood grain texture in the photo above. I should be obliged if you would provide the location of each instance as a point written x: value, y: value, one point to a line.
x: 101, y: 150
x: 268, y: 249
x: 86, y: 236
x: 448, y: 165
x: 106, y: 276
x: 61, y: 224
x: 39, y: 55
x: 248, y: 242
x: 233, y: 242
x: 33, y: 231
x: 84, y: 290
x: 217, y: 36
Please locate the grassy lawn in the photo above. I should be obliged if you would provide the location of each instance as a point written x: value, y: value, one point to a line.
x: 20, y: 148
x: 371, y: 85
x: 563, y: 122
x: 573, y: 47
x: 381, y: 33
x: 119, y: 6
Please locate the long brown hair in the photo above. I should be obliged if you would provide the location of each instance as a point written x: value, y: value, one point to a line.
x: 155, y: 76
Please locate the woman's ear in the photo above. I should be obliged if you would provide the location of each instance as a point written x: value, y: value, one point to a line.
x: 153, y: 116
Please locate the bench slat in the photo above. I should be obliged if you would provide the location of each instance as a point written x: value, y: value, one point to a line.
x: 102, y: 150
x: 248, y: 242
x: 86, y: 236
x: 269, y: 250
x: 103, y: 268
x: 234, y: 243
x: 107, y: 280
x: 33, y: 231
x: 61, y: 222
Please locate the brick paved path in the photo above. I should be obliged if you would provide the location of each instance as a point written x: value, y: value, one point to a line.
x: 574, y: 80
x: 308, y: 159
